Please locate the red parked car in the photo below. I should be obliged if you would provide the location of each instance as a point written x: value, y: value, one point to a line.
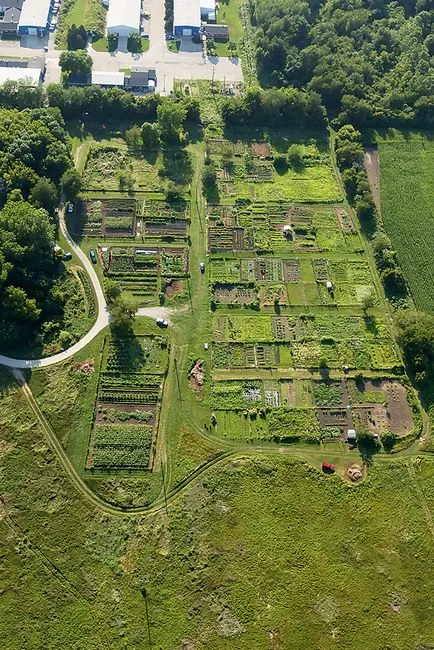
x: 328, y: 468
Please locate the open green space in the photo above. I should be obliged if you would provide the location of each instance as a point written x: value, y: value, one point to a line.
x: 198, y: 560
x: 407, y: 207
x: 89, y: 13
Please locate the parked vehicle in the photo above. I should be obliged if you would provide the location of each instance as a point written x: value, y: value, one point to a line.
x: 70, y: 207
x: 92, y: 256
x: 328, y: 468
x: 162, y: 322
x: 67, y: 257
x: 202, y: 267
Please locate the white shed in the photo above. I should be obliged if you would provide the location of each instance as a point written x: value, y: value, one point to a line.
x: 123, y: 17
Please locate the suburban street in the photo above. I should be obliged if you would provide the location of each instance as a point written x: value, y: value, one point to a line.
x: 169, y: 66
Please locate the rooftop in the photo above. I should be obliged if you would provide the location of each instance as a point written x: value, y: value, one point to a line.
x: 34, y: 13
x: 108, y: 78
x: 33, y: 75
x: 186, y: 13
x: 124, y: 12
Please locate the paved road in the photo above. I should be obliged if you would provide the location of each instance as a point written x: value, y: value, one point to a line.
x: 101, y: 322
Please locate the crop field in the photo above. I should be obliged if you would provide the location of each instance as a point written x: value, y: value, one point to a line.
x: 127, y: 403
x: 140, y: 270
x: 407, y: 208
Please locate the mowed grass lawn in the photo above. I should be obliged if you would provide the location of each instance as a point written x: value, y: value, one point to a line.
x: 257, y: 547
x: 407, y: 207
x: 228, y: 14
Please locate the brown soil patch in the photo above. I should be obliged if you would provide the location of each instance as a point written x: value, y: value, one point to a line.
x: 372, y: 166
x: 398, y: 409
x: 6, y: 448
x: 85, y: 367
x: 260, y: 149
x: 102, y: 418
x: 197, y: 377
x: 175, y: 288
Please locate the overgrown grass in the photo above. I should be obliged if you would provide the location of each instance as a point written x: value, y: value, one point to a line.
x: 89, y: 13
x: 256, y: 545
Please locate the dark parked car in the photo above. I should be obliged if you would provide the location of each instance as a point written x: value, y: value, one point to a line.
x: 202, y: 267
x: 92, y: 256
x: 67, y: 257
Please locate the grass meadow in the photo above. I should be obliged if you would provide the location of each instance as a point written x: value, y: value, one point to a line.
x: 258, y: 553
x: 407, y: 207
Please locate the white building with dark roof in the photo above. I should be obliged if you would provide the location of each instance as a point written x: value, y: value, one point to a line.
x: 35, y: 16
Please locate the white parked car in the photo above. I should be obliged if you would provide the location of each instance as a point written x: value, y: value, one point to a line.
x: 162, y: 322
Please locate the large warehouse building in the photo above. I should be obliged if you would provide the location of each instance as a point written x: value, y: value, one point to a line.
x: 123, y: 17
x: 186, y: 17
x: 35, y: 16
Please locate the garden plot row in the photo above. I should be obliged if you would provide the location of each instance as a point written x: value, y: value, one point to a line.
x: 228, y: 149
x: 280, y: 228
x: 126, y: 409
x: 278, y: 410
x: 163, y: 219
x: 275, y: 281
x: 105, y: 217
x: 313, y: 341
x: 139, y: 270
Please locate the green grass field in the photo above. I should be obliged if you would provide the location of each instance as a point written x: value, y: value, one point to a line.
x: 89, y: 13
x: 260, y: 552
x: 407, y: 208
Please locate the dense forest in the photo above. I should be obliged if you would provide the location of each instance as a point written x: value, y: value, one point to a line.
x: 371, y: 61
x: 35, y: 163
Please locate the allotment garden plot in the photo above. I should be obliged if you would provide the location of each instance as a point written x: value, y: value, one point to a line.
x: 144, y: 271
x: 127, y: 404
x: 313, y: 410
x: 301, y: 349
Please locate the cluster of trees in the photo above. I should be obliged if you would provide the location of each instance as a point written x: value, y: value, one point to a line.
x: 29, y: 296
x: 416, y: 336
x: 76, y: 62
x: 76, y: 38
x: 274, y: 107
x: 370, y: 61
x: 168, y: 128
x: 349, y: 156
x: 34, y: 155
